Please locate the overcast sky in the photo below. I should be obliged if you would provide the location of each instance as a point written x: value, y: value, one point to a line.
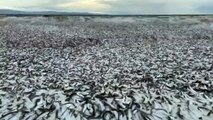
x: 114, y: 6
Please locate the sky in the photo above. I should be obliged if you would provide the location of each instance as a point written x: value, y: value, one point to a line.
x: 113, y: 6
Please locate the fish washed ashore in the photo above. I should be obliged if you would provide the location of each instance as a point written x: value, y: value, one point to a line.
x: 110, y: 68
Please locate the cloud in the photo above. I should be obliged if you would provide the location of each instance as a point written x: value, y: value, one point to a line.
x: 32, y: 5
x: 87, y: 5
x: 155, y: 6
x: 20, y: 3
x: 116, y: 6
x: 206, y: 8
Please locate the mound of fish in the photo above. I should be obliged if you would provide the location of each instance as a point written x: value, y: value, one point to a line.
x: 94, y: 68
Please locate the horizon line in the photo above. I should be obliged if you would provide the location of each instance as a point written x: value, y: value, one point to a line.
x: 69, y: 13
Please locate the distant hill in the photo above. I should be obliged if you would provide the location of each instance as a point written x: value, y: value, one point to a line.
x: 9, y: 12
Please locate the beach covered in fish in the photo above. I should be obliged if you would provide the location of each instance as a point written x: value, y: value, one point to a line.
x: 106, y: 68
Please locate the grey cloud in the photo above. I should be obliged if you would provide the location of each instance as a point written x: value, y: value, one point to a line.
x: 134, y: 6
x: 206, y: 8
x: 152, y: 6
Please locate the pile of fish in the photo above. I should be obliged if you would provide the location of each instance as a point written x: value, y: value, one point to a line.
x: 128, y: 70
